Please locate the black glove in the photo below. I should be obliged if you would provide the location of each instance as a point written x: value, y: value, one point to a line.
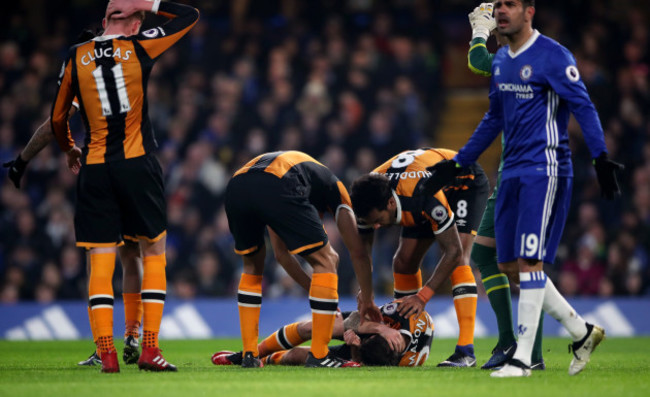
x: 443, y: 173
x: 16, y: 170
x: 606, y: 173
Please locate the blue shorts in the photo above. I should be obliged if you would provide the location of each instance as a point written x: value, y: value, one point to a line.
x: 530, y: 215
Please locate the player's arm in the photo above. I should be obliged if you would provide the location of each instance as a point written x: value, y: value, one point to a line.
x: 361, y: 261
x: 392, y: 336
x: 39, y: 140
x: 289, y: 261
x: 155, y: 41
x: 479, y: 59
x: 489, y: 128
x: 60, y: 114
x: 564, y: 78
x: 452, y: 254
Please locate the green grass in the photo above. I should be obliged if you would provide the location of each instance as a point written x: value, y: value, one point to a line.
x: 620, y: 368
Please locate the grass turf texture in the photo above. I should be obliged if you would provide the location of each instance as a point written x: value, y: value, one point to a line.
x: 620, y: 367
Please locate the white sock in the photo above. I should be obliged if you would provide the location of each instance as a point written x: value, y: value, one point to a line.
x: 531, y: 297
x: 561, y: 310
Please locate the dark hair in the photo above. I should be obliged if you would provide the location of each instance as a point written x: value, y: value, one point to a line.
x: 375, y: 351
x: 528, y: 3
x: 368, y: 192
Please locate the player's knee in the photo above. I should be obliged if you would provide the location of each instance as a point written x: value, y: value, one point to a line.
x: 511, y: 271
x: 404, y: 264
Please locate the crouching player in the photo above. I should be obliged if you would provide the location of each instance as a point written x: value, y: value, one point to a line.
x: 396, y: 341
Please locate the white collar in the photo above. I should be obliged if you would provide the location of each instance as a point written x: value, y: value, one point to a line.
x: 527, y: 44
x: 398, y: 220
x: 108, y: 37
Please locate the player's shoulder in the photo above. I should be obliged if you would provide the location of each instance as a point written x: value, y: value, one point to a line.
x: 552, y: 47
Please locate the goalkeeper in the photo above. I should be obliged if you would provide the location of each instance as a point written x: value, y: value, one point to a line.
x: 484, y: 253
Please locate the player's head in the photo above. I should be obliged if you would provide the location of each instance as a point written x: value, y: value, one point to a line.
x: 375, y: 351
x: 513, y: 16
x: 126, y: 26
x: 373, y: 201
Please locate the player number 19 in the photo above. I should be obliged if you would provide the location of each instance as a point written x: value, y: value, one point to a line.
x: 529, y: 244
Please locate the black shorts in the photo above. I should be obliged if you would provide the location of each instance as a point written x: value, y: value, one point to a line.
x: 120, y: 199
x: 467, y: 197
x: 254, y: 200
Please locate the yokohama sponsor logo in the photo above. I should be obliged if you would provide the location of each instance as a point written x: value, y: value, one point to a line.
x: 520, y: 88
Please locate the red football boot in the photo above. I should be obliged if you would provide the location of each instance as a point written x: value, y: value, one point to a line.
x: 110, y: 363
x: 151, y: 359
x: 226, y: 357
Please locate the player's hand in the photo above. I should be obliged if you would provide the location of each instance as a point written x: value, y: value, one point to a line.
x: 367, y: 309
x: 443, y: 173
x: 16, y: 170
x: 606, y: 173
x: 482, y: 20
x: 74, y: 159
x: 394, y: 339
x: 411, y: 306
x: 125, y: 8
x: 351, y: 338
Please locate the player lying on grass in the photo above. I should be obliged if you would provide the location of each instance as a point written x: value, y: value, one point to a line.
x: 396, y: 341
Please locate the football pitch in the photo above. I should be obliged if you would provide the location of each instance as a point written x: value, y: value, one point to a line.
x: 620, y: 367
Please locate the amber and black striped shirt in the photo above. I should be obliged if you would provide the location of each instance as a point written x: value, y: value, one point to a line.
x: 108, y: 75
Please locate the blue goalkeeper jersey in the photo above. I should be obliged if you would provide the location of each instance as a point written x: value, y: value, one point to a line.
x: 532, y: 93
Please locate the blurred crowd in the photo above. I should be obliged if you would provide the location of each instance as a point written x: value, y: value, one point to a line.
x: 351, y: 83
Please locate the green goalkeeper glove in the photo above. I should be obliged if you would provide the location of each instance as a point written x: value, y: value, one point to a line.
x: 482, y: 21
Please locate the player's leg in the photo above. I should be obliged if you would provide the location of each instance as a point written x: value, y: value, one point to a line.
x: 249, y: 303
x: 141, y: 197
x: 244, y: 209
x: 465, y: 299
x: 586, y: 337
x: 407, y: 261
x: 295, y: 356
x: 97, y: 228
x: 467, y: 197
x: 154, y: 293
x: 94, y: 358
x: 323, y: 299
x: 532, y: 246
x: 497, y: 288
x: 131, y: 260
x: 101, y: 299
x: 511, y: 269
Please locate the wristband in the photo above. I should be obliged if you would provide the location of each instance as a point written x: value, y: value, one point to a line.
x: 482, y: 33
x: 425, y: 294
x: 154, y: 7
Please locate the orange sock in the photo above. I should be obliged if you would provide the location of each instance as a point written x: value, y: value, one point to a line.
x: 154, y: 291
x: 92, y: 330
x: 132, y: 314
x: 249, y: 302
x: 275, y: 358
x: 464, y: 292
x: 324, y: 301
x: 100, y: 291
x: 406, y: 284
x: 283, y: 339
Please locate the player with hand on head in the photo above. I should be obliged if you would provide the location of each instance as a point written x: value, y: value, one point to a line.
x: 288, y: 192
x: 397, y: 193
x: 484, y: 253
x: 535, y: 85
x: 129, y: 253
x: 396, y: 341
x: 120, y: 192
